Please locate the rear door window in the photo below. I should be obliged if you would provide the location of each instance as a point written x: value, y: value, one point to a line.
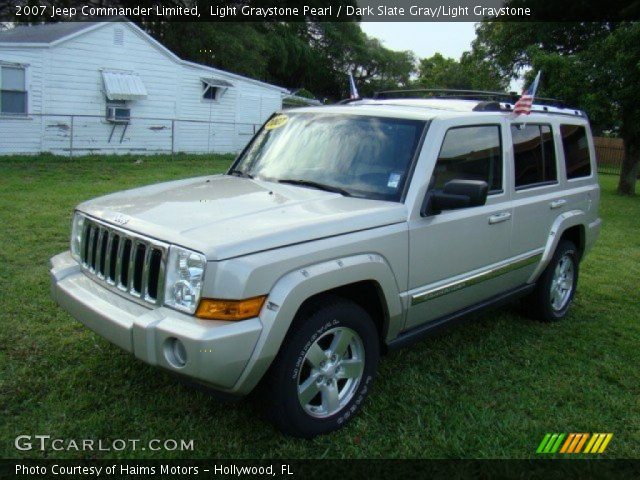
x: 470, y: 153
x: 534, y: 155
x: 576, y: 151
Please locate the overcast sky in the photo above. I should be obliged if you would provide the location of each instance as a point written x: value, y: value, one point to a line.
x: 424, y: 39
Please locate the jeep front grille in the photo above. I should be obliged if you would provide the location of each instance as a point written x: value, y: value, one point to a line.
x: 124, y: 261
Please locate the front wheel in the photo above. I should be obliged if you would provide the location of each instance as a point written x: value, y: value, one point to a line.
x: 324, y: 370
x: 556, y: 287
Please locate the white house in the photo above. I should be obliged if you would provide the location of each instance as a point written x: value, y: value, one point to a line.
x: 109, y: 87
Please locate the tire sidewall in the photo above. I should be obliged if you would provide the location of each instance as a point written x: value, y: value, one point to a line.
x: 564, y: 249
x: 342, y: 315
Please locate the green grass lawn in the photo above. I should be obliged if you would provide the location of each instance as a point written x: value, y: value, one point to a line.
x: 491, y: 388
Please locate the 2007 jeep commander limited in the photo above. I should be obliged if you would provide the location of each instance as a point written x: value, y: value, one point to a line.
x: 338, y: 233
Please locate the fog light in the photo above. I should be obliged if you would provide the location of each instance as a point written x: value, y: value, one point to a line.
x: 175, y: 352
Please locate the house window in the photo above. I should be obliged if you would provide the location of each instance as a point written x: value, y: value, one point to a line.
x: 470, y: 153
x: 13, y: 91
x: 534, y: 155
x: 210, y: 92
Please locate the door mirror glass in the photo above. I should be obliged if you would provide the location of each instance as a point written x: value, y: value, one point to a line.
x: 454, y: 195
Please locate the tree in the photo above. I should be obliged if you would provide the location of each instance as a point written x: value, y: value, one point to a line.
x: 347, y: 49
x: 472, y: 72
x: 594, y: 66
x: 317, y: 55
x: 440, y: 72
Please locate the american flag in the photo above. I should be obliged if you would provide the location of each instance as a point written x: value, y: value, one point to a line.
x: 353, y: 91
x: 523, y: 105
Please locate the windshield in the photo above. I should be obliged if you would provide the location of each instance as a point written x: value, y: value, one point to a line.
x: 351, y: 154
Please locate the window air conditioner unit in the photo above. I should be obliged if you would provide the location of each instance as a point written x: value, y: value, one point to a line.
x: 118, y: 114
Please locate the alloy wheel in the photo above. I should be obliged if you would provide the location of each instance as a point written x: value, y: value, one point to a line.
x: 562, y: 283
x: 331, y: 372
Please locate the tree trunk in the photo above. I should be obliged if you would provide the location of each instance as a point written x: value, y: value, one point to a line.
x: 629, y: 169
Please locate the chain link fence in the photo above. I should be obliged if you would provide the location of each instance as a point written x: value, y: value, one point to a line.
x: 94, y: 134
x: 74, y: 135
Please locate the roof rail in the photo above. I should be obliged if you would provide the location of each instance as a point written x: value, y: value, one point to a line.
x: 348, y: 100
x: 442, y: 93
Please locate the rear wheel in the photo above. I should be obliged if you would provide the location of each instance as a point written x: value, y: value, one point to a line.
x: 324, y: 370
x: 556, y: 287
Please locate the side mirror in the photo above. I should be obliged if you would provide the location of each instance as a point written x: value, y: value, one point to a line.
x: 454, y: 195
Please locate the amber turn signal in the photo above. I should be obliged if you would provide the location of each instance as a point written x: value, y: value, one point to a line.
x: 212, y: 309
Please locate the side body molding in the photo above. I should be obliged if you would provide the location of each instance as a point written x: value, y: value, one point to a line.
x: 291, y: 290
x: 564, y: 221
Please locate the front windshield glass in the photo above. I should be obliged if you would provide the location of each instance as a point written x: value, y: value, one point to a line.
x: 355, y: 155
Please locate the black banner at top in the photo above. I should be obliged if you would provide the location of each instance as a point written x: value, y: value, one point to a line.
x: 320, y: 10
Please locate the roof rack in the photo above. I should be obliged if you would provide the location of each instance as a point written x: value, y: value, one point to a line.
x: 448, y: 93
x: 348, y: 100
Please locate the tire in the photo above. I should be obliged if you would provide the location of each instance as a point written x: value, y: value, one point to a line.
x: 546, y: 303
x: 303, y: 365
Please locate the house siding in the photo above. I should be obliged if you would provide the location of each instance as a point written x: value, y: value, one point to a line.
x: 20, y: 134
x: 65, y: 80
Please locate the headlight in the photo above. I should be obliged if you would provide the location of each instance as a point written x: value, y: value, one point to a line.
x: 76, y: 235
x: 183, y: 281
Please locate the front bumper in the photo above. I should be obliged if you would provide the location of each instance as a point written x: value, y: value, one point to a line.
x: 217, y: 352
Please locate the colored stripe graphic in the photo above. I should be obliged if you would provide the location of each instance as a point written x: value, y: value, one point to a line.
x: 604, y: 445
x: 556, y: 446
x: 543, y: 443
x: 590, y: 444
x: 550, y: 443
x: 581, y: 443
x: 599, y: 443
x: 568, y: 442
x: 574, y: 443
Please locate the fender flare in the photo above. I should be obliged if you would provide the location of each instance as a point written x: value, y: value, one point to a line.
x: 563, y: 222
x: 294, y: 288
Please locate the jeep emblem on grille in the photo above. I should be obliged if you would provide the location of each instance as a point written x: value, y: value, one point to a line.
x: 120, y: 219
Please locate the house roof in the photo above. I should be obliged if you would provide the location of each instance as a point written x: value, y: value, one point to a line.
x: 43, y: 33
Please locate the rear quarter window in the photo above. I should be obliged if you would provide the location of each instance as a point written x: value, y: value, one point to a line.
x: 576, y: 151
x: 534, y: 155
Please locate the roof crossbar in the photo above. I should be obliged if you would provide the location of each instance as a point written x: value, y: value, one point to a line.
x: 448, y: 93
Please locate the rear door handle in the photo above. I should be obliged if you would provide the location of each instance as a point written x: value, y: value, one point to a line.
x: 499, y: 217
x: 557, y: 203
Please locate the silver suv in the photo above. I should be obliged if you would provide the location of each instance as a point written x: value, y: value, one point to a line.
x: 339, y: 233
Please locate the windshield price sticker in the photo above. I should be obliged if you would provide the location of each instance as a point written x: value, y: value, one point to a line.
x: 394, y: 180
x: 276, y: 122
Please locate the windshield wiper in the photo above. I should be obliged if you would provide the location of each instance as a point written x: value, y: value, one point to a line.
x: 312, y: 184
x: 240, y: 173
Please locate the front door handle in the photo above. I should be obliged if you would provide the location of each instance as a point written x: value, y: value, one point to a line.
x: 557, y: 203
x: 499, y: 217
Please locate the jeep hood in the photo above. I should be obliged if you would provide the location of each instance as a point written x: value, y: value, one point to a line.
x: 224, y: 217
